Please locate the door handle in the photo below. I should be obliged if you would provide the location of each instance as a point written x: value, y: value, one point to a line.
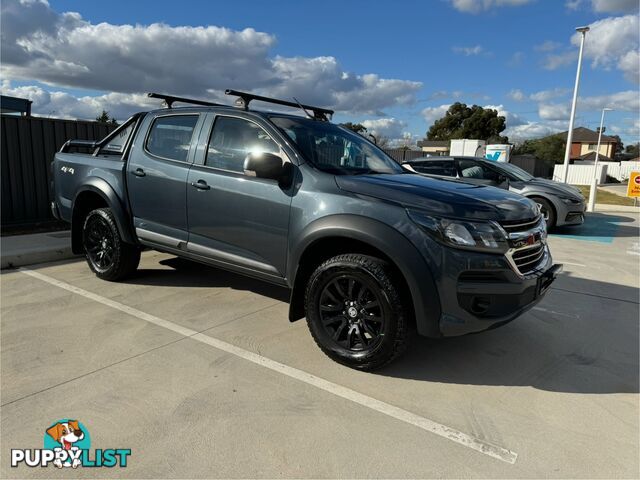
x: 138, y: 172
x: 200, y: 185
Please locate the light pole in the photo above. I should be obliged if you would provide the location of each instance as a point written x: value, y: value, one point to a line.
x: 567, y: 152
x: 594, y: 180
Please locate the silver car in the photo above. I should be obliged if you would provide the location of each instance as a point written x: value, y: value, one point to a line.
x: 560, y: 204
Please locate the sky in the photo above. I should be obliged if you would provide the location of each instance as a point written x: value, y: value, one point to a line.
x: 394, y: 66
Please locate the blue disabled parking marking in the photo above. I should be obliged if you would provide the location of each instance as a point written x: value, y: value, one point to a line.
x: 596, y: 228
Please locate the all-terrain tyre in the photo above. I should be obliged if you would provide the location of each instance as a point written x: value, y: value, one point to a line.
x: 354, y: 311
x: 107, y: 255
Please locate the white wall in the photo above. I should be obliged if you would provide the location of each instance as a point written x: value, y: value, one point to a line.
x: 622, y: 170
x: 618, y: 170
x: 580, y: 174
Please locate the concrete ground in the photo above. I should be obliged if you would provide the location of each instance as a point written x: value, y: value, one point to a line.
x: 179, y: 365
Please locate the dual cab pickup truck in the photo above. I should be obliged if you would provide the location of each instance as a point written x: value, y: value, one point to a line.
x: 369, y: 251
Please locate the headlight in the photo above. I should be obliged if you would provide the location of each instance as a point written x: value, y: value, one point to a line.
x: 569, y: 200
x: 483, y: 236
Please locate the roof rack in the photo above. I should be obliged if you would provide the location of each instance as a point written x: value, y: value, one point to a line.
x: 245, y: 98
x: 169, y: 99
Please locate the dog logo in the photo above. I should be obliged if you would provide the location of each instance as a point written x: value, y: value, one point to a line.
x: 67, y: 443
x: 70, y: 436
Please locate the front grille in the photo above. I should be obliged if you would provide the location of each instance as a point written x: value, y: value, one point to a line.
x: 527, y: 259
x: 514, y: 226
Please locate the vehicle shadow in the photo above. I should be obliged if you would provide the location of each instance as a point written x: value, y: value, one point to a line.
x: 185, y: 273
x: 575, y: 340
x: 571, y: 342
x: 599, y: 226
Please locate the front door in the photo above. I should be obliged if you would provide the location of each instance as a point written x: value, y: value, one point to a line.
x: 475, y: 172
x: 157, y: 178
x: 234, y: 218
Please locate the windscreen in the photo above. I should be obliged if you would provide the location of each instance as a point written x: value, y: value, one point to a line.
x: 335, y: 149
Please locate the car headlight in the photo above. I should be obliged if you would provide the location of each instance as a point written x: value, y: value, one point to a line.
x: 569, y: 200
x: 482, y: 236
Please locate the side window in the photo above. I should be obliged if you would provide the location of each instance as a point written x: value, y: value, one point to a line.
x: 170, y: 136
x: 233, y: 139
x: 437, y: 167
x: 116, y: 144
x: 471, y: 169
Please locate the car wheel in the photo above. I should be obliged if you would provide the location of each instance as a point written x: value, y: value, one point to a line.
x: 107, y: 255
x: 355, y: 313
x: 547, y: 211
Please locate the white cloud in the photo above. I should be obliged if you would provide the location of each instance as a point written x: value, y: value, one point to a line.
x: 611, y: 42
x: 477, y: 6
x: 63, y: 105
x: 511, y: 119
x: 628, y: 100
x: 614, y: 6
x: 629, y: 63
x: 68, y: 51
x: 517, y: 95
x: 546, y: 95
x: 573, y: 4
x: 547, y: 46
x: 621, y: 101
x: 530, y: 130
x: 468, y: 51
x: 387, y: 127
x: 431, y: 114
x: 540, y: 96
x: 554, y: 111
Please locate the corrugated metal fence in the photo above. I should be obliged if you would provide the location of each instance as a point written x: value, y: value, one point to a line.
x: 27, y: 148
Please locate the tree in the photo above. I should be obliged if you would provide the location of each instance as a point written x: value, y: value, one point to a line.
x: 619, y: 145
x: 105, y: 118
x: 356, y: 127
x: 475, y: 122
x: 550, y: 149
x: 633, y: 149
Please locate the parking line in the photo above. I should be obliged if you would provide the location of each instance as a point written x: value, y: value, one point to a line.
x: 423, y: 423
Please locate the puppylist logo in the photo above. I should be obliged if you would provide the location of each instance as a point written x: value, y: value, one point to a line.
x: 67, y: 443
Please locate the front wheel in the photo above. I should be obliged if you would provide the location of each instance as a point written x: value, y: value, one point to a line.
x: 547, y: 211
x: 107, y: 255
x: 355, y: 313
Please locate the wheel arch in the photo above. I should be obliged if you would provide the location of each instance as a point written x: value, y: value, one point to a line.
x: 97, y: 193
x: 340, y: 234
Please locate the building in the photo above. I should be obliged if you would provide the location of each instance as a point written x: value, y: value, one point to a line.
x: 585, y: 141
x: 435, y: 147
x: 21, y: 106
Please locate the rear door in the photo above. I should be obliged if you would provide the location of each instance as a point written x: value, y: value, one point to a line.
x: 234, y: 218
x: 157, y: 177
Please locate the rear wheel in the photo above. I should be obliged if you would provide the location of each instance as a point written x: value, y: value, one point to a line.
x: 354, y: 311
x: 107, y: 255
x: 547, y: 211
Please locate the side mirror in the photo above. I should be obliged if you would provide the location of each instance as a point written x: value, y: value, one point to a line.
x: 503, y: 181
x: 264, y: 165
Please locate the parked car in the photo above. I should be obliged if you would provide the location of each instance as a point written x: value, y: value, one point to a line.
x: 561, y: 204
x: 369, y: 251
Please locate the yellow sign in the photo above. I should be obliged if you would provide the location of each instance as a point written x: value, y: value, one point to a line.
x: 633, y: 187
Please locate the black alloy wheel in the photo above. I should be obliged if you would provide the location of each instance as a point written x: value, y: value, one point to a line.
x: 351, y: 312
x: 355, y: 312
x: 108, y: 256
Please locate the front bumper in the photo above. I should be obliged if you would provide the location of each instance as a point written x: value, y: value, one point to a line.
x: 483, y: 291
x: 571, y: 214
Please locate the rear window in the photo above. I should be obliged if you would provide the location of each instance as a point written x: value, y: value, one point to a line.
x: 446, y: 168
x: 170, y: 136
